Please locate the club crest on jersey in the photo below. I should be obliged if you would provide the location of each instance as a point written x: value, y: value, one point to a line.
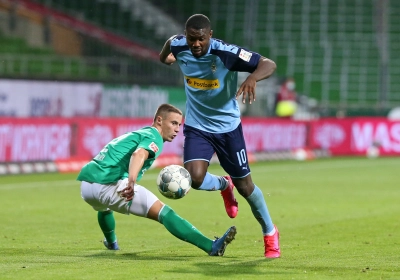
x: 245, y: 55
x: 153, y: 147
x: 213, y: 66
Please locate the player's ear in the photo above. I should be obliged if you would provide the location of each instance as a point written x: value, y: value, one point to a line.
x: 159, y: 120
x: 211, y: 32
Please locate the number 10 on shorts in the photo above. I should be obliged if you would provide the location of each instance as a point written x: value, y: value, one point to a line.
x: 241, y: 155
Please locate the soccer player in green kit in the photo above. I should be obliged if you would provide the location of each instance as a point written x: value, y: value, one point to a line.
x: 109, y: 183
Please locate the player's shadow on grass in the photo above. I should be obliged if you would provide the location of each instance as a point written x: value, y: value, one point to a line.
x: 141, y: 256
x: 253, y: 268
x: 218, y: 266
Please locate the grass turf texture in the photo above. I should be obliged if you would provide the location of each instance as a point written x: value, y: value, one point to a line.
x: 338, y: 219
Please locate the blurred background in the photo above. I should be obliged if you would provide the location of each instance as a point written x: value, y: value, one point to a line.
x: 76, y: 73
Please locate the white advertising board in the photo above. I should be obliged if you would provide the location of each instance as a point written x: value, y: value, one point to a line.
x: 24, y: 98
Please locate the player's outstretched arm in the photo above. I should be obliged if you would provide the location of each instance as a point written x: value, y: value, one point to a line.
x: 166, y: 56
x: 265, y: 68
x: 136, y: 163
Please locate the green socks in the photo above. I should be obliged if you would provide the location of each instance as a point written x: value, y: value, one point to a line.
x: 183, y: 230
x: 176, y: 225
x: 107, y: 224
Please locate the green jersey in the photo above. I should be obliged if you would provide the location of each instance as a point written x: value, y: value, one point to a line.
x: 112, y: 163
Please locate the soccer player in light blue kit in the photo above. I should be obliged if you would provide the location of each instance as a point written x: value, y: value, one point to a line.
x: 212, y: 121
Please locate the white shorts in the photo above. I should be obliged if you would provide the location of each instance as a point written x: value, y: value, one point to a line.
x: 105, y: 197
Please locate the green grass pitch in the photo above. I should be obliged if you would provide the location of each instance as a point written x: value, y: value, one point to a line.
x: 338, y: 218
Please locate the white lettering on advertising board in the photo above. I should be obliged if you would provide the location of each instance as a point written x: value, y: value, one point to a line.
x: 385, y: 133
x: 329, y: 135
x: 40, y: 142
x: 5, y: 140
x: 274, y: 137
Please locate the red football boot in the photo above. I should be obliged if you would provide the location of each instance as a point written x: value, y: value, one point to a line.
x: 231, y: 205
x: 271, y: 244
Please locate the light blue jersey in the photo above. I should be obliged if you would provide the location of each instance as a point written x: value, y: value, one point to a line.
x: 211, y: 83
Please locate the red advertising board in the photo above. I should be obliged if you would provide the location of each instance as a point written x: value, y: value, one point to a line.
x: 41, y: 139
x: 353, y: 136
x: 262, y: 134
x: 34, y: 139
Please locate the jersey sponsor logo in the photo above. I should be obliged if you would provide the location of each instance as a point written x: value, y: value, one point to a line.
x: 153, y: 147
x: 245, y: 55
x: 202, y: 83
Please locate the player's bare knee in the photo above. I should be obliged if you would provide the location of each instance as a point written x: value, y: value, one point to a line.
x: 244, y: 187
x: 246, y: 192
x: 197, y: 182
x: 154, y: 210
x: 197, y: 170
x: 197, y: 178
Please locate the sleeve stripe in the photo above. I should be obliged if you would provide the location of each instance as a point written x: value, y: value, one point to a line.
x: 234, y: 63
x: 177, y: 49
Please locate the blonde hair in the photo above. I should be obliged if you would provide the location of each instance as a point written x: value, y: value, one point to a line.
x: 164, y: 109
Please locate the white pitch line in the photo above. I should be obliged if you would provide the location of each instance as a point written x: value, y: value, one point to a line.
x: 265, y: 169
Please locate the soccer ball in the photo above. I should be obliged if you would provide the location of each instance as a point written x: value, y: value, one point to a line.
x: 174, y: 181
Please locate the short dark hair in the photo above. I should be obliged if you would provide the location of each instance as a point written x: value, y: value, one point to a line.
x: 164, y: 109
x: 198, y: 21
